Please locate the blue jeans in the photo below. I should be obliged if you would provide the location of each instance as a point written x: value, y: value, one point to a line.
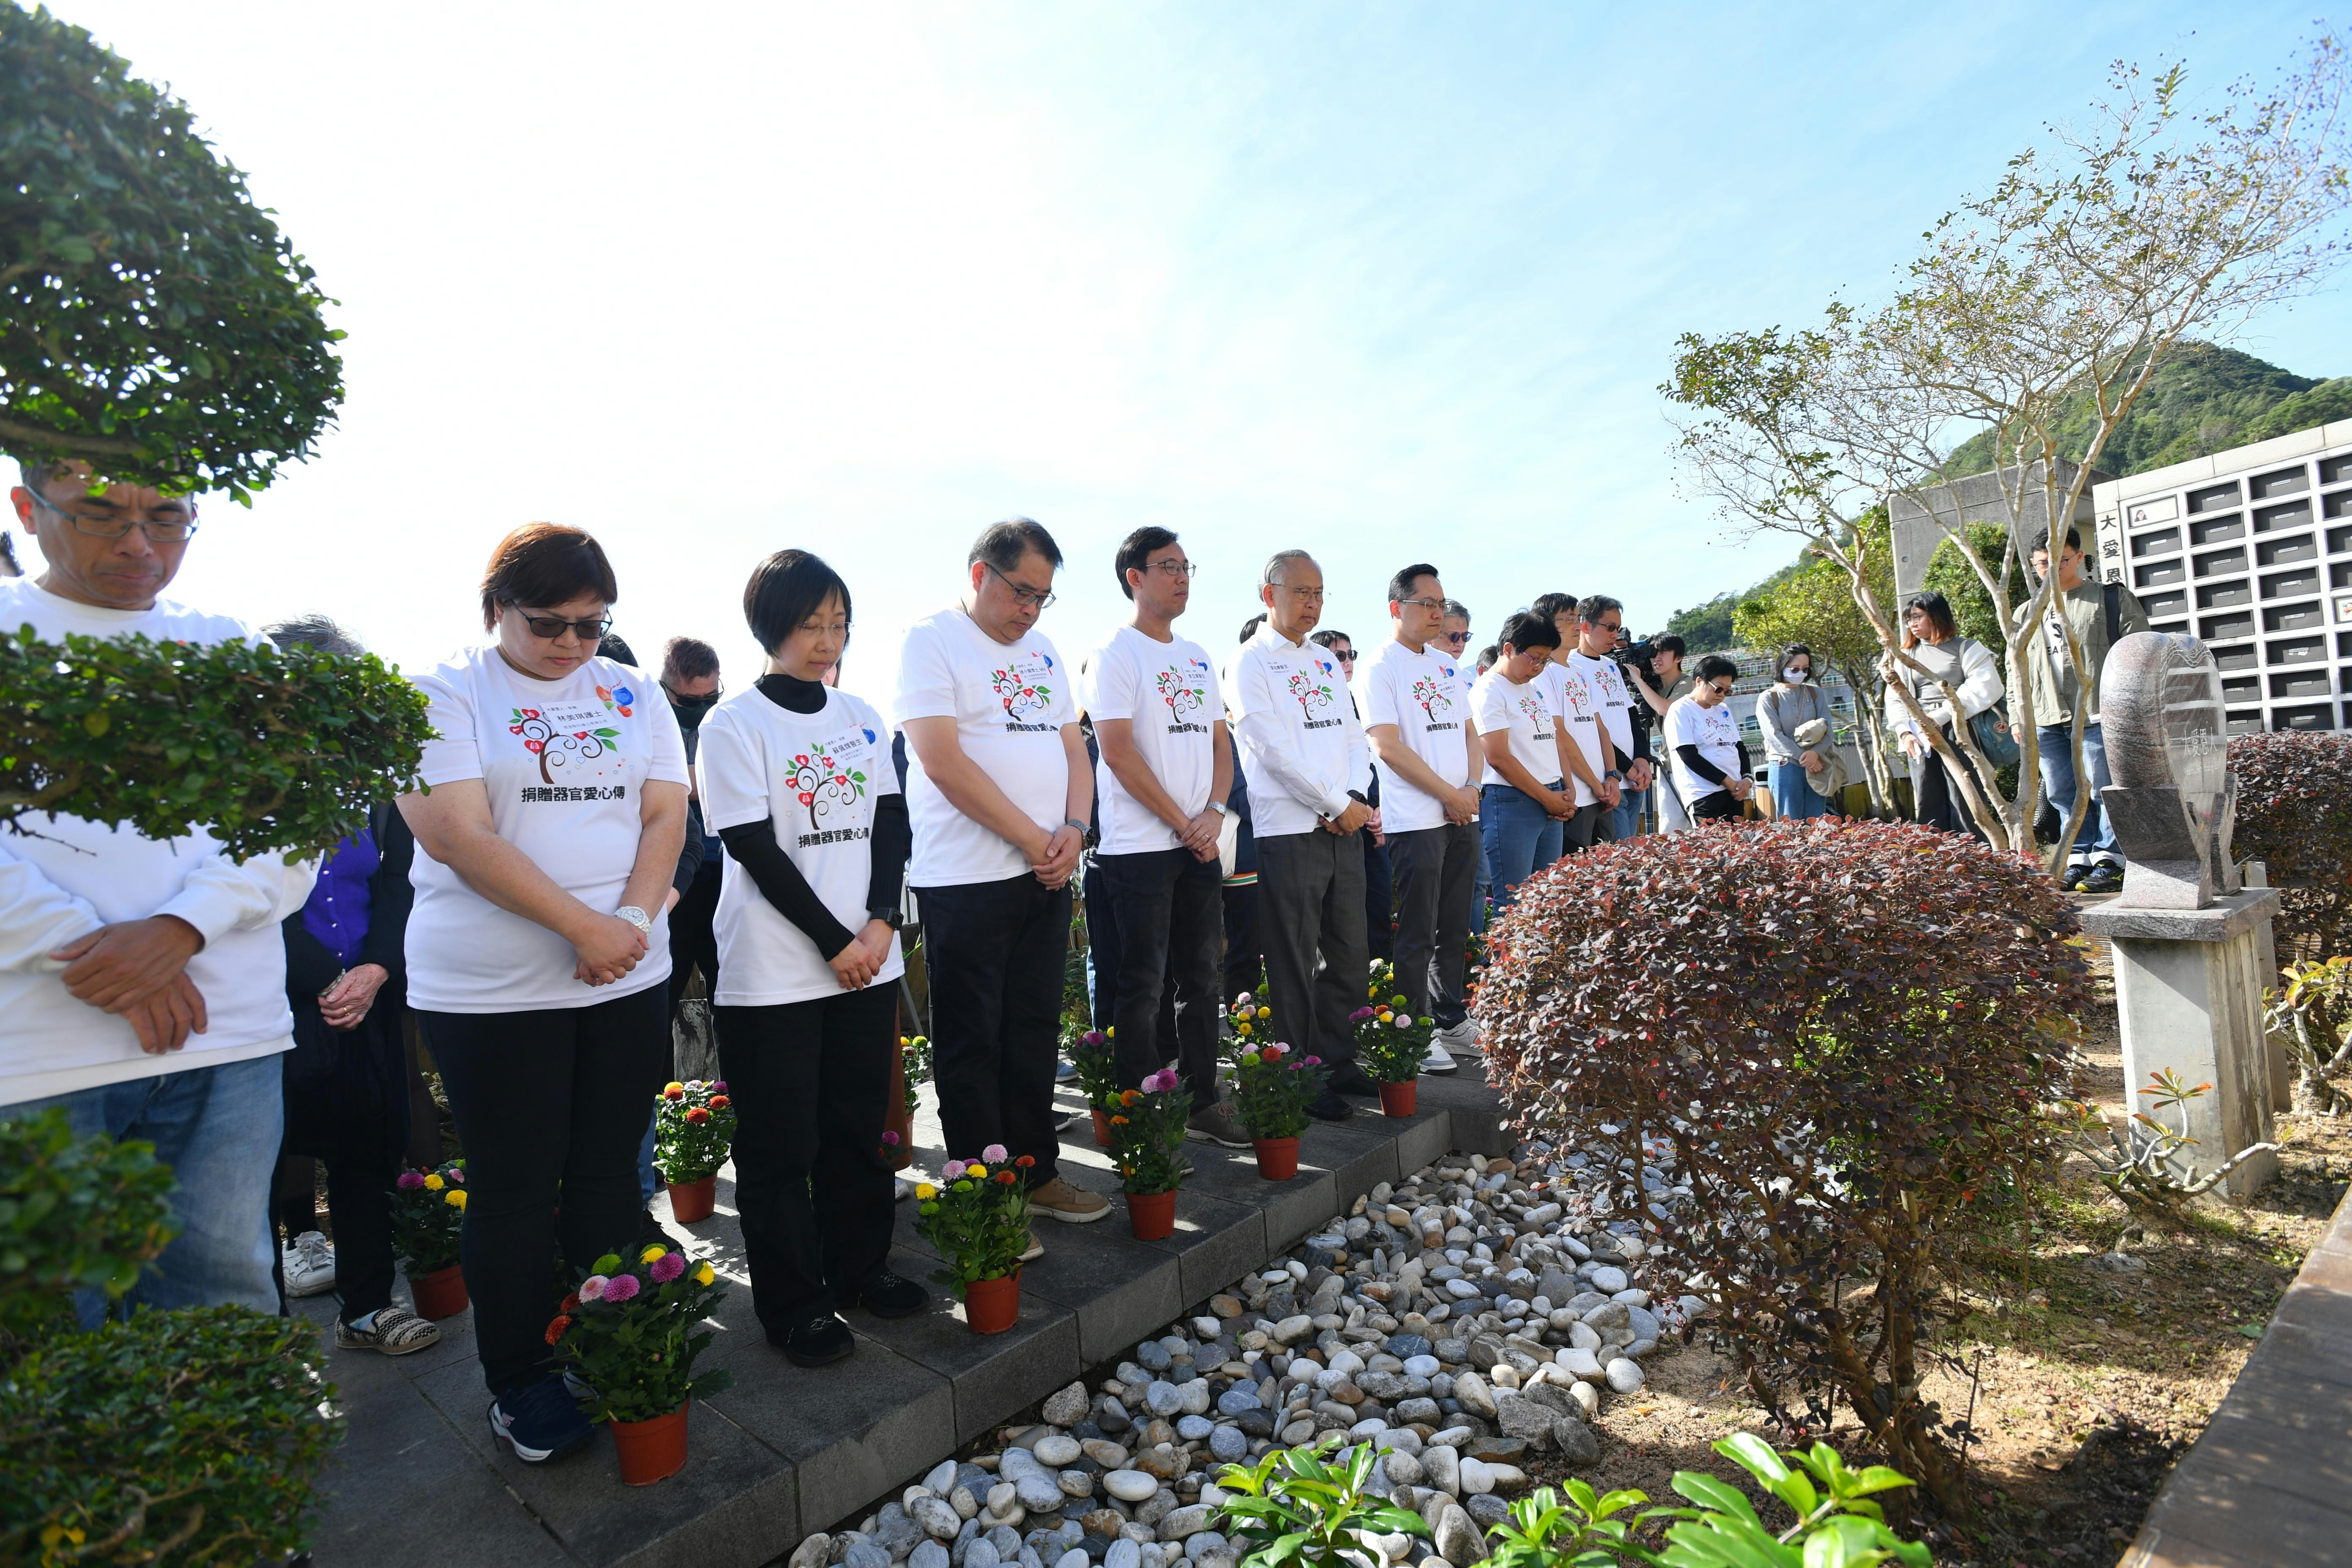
x: 1625, y: 819
x: 1792, y: 797
x: 2095, y: 840
x: 218, y: 1128
x: 649, y: 1180
x: 1521, y: 838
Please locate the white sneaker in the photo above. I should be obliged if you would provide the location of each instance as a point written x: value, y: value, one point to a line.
x: 1462, y: 1036
x: 309, y: 1262
x: 1439, y: 1058
x: 906, y: 1189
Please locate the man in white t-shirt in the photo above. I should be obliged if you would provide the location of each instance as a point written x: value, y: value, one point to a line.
x: 1304, y: 760
x: 1528, y: 799
x: 144, y: 982
x: 1159, y: 721
x: 1415, y: 700
x: 997, y: 792
x: 1599, y: 618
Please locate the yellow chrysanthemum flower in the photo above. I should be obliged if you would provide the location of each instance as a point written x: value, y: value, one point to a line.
x: 705, y: 1275
x: 454, y: 1197
x: 925, y: 1190
x: 977, y: 1172
x: 673, y: 1086
x: 433, y: 1184
x: 652, y: 1251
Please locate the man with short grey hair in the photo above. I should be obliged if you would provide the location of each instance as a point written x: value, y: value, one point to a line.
x: 1304, y: 760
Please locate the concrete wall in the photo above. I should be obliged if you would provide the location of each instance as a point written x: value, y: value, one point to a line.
x: 1921, y: 524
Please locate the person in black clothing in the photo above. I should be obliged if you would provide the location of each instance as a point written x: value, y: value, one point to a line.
x: 689, y: 679
x: 347, y: 1076
x: 797, y: 780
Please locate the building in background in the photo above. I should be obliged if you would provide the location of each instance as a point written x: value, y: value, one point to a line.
x: 1917, y: 529
x: 2251, y: 551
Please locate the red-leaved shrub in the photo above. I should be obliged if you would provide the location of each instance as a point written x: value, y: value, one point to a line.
x: 2294, y: 815
x: 1846, y: 1033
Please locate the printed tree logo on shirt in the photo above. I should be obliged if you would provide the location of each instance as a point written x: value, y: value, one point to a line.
x: 1311, y: 694
x: 555, y: 748
x: 1432, y: 696
x: 1020, y: 699
x: 823, y: 786
x: 1183, y: 697
x: 1532, y: 706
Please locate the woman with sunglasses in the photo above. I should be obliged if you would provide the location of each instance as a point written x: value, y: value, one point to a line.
x: 1710, y: 761
x: 537, y: 948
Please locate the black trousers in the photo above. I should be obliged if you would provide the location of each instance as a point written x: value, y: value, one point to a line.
x: 1436, y: 874
x: 1310, y: 917
x: 1717, y: 805
x: 995, y: 952
x: 1106, y: 946
x: 1940, y: 803
x: 693, y: 944
x: 1245, y: 959
x: 1169, y: 907
x: 347, y: 1105
x: 550, y: 1105
x: 810, y: 1083
x: 1379, y: 913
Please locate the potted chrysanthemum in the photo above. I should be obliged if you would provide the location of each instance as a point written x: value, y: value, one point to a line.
x: 1273, y: 1086
x: 1147, y: 1140
x: 1391, y: 1045
x: 694, y: 1127
x: 977, y: 1215
x: 428, y: 1217
x: 630, y: 1330
x: 1251, y: 1022
x: 1097, y: 1060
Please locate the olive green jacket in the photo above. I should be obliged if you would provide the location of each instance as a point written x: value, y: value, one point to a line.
x: 2051, y: 682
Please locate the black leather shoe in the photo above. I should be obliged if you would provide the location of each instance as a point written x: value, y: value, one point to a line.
x: 888, y: 1295
x: 1329, y: 1106
x: 1346, y: 1077
x: 822, y: 1340
x: 2105, y: 878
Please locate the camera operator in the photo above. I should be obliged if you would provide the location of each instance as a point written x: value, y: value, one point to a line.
x: 1654, y: 668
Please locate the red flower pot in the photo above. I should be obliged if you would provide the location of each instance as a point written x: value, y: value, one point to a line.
x: 651, y: 1451
x: 1278, y: 1158
x: 688, y: 1201
x: 1398, y: 1099
x: 992, y: 1306
x: 1102, y: 1130
x: 440, y: 1294
x: 1151, y: 1216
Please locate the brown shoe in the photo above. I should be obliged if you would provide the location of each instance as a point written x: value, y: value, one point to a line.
x: 1072, y: 1206
x: 1217, y: 1125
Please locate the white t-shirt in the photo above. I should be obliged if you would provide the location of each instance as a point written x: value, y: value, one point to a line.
x: 1426, y: 695
x: 1009, y: 703
x: 1302, y: 748
x: 1714, y: 732
x: 1499, y: 704
x: 565, y: 763
x: 63, y: 877
x: 814, y: 776
x: 1170, y: 695
x: 1606, y: 683
x: 1571, y: 699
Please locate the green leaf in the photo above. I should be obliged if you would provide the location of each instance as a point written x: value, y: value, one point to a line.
x: 1754, y: 1456
x: 1705, y: 1490
x: 1877, y: 1478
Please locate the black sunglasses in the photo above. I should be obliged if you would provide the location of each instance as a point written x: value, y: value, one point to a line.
x: 550, y: 628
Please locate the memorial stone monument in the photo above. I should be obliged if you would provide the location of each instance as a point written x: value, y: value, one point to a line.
x: 2192, y: 943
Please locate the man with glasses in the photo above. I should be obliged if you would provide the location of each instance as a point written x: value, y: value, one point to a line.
x: 1303, y: 755
x: 998, y: 791
x: 1415, y: 699
x: 1453, y: 631
x: 1379, y: 911
x: 1599, y: 618
x: 1166, y: 770
x: 144, y: 982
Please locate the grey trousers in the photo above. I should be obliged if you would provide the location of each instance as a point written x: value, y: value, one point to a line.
x: 1436, y: 873
x: 1310, y: 921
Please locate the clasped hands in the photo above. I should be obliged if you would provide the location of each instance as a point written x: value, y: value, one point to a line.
x: 137, y: 970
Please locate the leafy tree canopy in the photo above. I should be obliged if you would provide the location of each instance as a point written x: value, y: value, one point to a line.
x: 1949, y: 574
x: 1705, y: 628
x: 153, y: 321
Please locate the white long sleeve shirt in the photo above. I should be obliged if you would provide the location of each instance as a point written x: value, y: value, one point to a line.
x: 64, y: 877
x: 1302, y: 747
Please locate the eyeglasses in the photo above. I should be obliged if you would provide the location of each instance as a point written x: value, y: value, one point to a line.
x: 708, y: 700
x: 1304, y: 596
x: 1174, y: 568
x: 1607, y: 626
x: 174, y: 527
x: 1457, y: 638
x: 549, y: 627
x: 1721, y: 689
x: 1347, y: 657
x: 1028, y: 599
x: 1423, y: 603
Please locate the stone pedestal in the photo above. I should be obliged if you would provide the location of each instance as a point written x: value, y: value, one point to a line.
x: 2189, y: 991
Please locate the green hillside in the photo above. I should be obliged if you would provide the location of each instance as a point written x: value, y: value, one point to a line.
x: 2202, y: 399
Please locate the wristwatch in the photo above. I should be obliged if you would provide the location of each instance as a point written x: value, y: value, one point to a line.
x: 1220, y: 808
x: 888, y: 916
x: 637, y: 918
x: 1072, y: 822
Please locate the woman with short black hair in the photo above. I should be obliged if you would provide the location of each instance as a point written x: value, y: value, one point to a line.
x: 1708, y: 758
x: 537, y: 948
x: 797, y: 781
x: 1932, y: 639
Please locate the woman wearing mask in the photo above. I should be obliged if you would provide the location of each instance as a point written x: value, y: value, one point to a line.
x: 537, y: 950
x: 798, y: 783
x: 1964, y: 664
x: 1795, y: 699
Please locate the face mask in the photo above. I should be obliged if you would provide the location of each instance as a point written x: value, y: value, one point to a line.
x: 690, y: 709
x: 1796, y: 677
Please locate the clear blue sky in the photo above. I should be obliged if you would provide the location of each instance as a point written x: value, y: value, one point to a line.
x: 1391, y: 282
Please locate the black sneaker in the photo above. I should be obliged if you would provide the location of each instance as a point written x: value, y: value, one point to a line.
x: 538, y: 1422
x: 822, y: 1340
x: 1064, y: 1121
x: 2106, y: 876
x: 888, y: 1295
x: 1346, y: 1077
x: 2072, y: 878
x: 1329, y: 1106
